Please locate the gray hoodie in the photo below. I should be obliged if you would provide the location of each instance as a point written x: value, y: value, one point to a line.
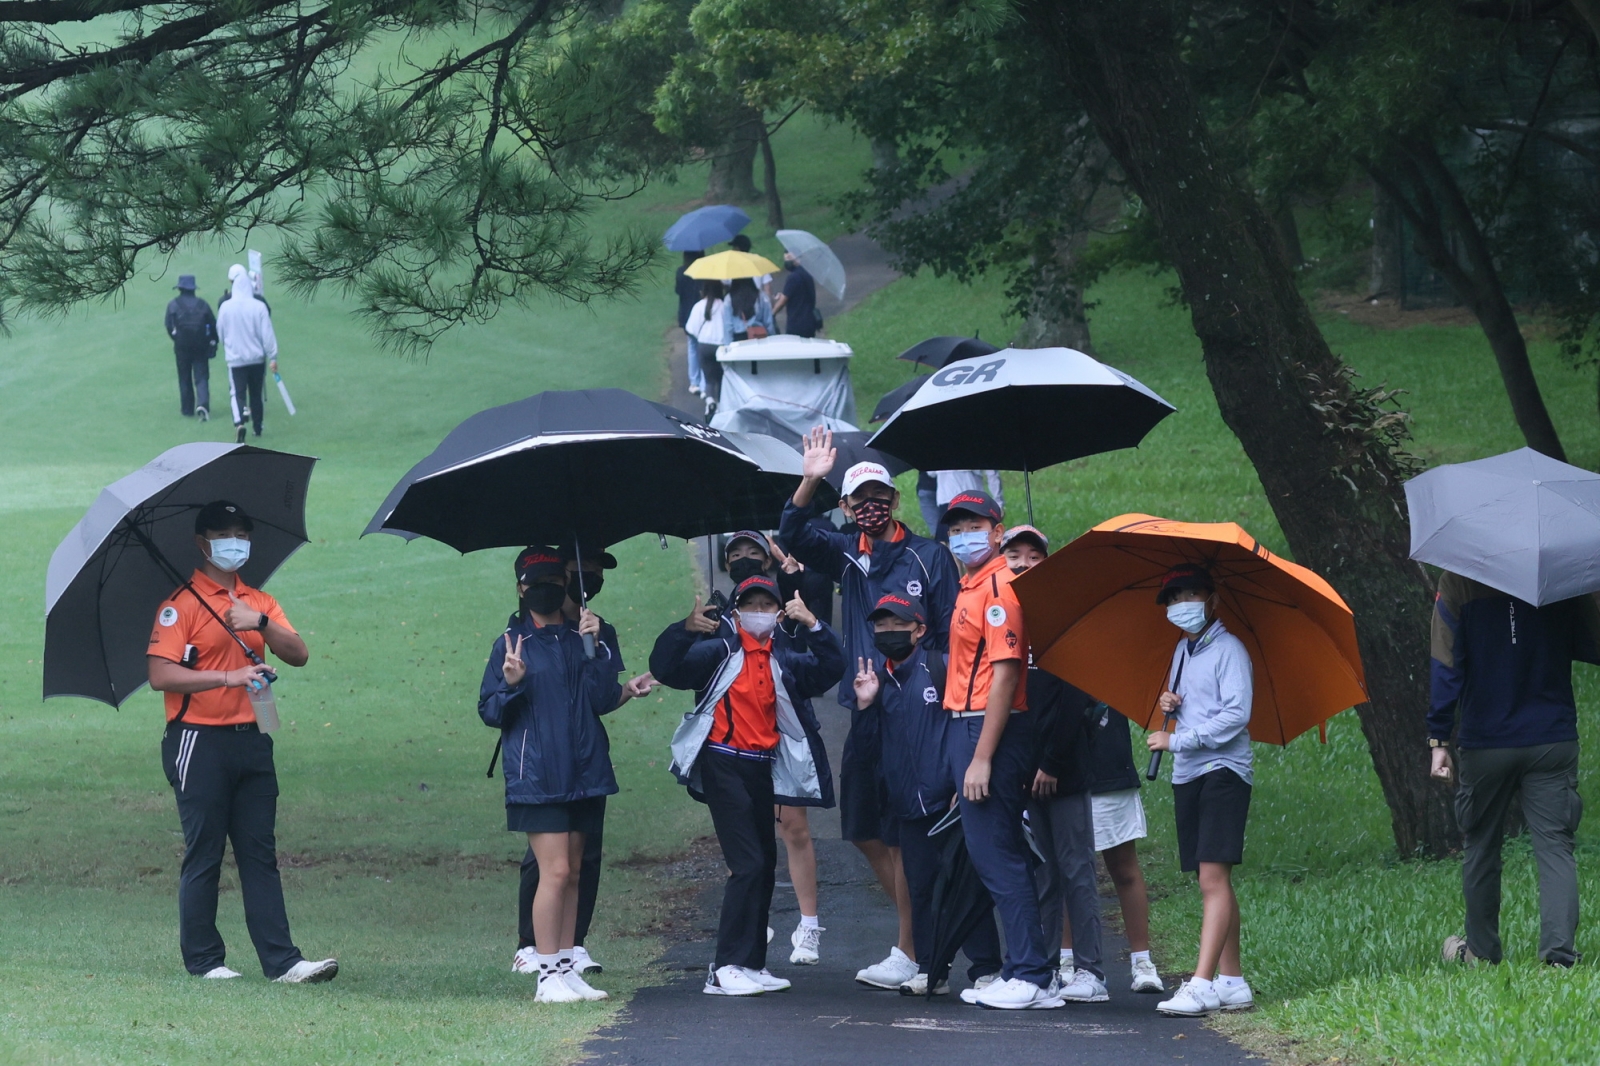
x: 244, y: 325
x: 1216, y: 683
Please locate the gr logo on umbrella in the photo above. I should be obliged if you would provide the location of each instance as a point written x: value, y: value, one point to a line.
x: 966, y: 375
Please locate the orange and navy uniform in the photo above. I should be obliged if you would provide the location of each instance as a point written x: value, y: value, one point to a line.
x: 894, y: 535
x: 181, y: 621
x: 747, y: 715
x: 986, y: 628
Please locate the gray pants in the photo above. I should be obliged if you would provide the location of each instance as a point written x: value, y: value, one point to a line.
x: 1063, y: 828
x: 1547, y: 774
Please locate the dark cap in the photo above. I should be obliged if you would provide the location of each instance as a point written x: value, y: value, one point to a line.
x: 538, y: 561
x: 759, y: 583
x: 740, y: 242
x: 973, y: 502
x: 221, y: 515
x: 1184, y: 576
x: 755, y: 536
x: 606, y: 560
x: 1026, y: 533
x: 185, y: 282
x: 905, y: 608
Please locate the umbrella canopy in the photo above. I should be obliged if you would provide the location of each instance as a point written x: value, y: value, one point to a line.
x: 960, y: 902
x: 136, y: 544
x: 1521, y: 522
x: 852, y: 448
x: 896, y: 397
x: 728, y: 265
x: 937, y: 352
x: 705, y: 226
x: 1093, y: 620
x: 818, y: 259
x: 1020, y: 409
x: 598, y: 465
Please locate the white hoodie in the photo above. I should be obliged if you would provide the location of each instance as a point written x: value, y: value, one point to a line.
x: 244, y: 326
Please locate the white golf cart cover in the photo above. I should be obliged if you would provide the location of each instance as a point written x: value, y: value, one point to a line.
x: 783, y: 386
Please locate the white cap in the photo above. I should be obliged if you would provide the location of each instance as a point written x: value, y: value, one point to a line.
x: 862, y: 473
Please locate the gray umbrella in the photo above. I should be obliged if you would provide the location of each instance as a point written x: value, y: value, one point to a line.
x: 136, y: 545
x: 1520, y: 522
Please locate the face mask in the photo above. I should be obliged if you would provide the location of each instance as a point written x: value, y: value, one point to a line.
x: 872, y: 516
x: 1189, y: 616
x: 895, y: 645
x: 971, y: 549
x: 591, y: 584
x: 1019, y: 570
x: 229, y: 553
x: 543, y: 598
x: 758, y: 625
x: 741, y: 570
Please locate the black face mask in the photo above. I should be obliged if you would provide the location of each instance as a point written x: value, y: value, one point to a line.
x: 894, y: 644
x: 743, y: 569
x: 592, y: 583
x: 1019, y: 570
x: 872, y: 516
x: 543, y: 598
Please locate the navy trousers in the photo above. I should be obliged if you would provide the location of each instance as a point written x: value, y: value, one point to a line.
x: 738, y: 792
x: 919, y: 855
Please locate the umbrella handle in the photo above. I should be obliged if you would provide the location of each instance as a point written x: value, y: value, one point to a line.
x: 1154, y: 769
x: 583, y: 593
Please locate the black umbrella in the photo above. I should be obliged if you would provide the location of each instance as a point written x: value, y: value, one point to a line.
x: 939, y: 352
x: 136, y: 545
x: 852, y: 448
x: 960, y: 902
x: 896, y: 397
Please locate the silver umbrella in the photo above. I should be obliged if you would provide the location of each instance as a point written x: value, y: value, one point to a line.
x: 818, y: 259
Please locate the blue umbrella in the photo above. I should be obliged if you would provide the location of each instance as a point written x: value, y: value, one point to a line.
x: 705, y: 226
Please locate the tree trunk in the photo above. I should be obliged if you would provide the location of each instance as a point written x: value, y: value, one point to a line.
x: 769, y: 171
x: 1386, y: 276
x: 733, y: 163
x: 1325, y: 463
x: 1055, y: 316
x: 1289, y: 234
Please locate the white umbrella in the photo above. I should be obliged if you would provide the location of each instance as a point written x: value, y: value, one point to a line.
x: 815, y: 255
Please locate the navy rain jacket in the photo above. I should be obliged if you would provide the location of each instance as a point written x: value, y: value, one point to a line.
x: 810, y: 664
x: 911, y: 718
x: 554, y: 749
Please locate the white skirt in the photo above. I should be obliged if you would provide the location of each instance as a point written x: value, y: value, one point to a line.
x: 1118, y: 818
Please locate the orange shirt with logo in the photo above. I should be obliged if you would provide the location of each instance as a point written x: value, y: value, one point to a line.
x: 748, y: 716
x: 181, y: 621
x: 986, y: 628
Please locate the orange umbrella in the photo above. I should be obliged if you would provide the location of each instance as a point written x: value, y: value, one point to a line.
x: 1092, y: 617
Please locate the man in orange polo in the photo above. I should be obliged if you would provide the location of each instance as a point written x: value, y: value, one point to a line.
x: 991, y: 748
x: 217, y: 760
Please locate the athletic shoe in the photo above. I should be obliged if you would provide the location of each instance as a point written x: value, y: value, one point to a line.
x: 807, y: 941
x: 768, y: 981
x: 1065, y: 972
x: 1238, y: 997
x: 970, y: 995
x: 696, y: 390
x: 202, y: 414
x: 1017, y: 994
x: 220, y: 973
x: 1084, y: 987
x: 770, y: 934
x: 311, y: 973
x: 1456, y: 950
x: 553, y: 988
x: 582, y: 962
x: 1145, y: 977
x: 891, y: 973
x: 526, y: 960
x: 1193, y: 1000
x: 732, y: 981
x: 918, y: 986
x: 258, y: 432
x: 582, y: 987
x: 238, y: 438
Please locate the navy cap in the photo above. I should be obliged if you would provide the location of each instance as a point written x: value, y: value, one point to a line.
x: 606, y: 560
x: 760, y: 583
x: 755, y: 536
x: 974, y: 502
x: 538, y: 561
x: 185, y: 281
x: 220, y: 515
x: 905, y: 608
x: 1184, y: 576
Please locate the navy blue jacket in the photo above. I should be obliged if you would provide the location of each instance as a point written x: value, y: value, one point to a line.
x: 910, y: 717
x: 810, y: 663
x: 1111, y: 767
x: 1506, y: 666
x: 553, y: 747
x: 1061, y: 728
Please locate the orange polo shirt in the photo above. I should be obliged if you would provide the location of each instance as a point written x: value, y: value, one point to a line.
x: 181, y: 621
x: 747, y: 717
x: 986, y: 628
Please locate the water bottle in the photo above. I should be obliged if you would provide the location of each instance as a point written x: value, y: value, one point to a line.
x: 264, y: 704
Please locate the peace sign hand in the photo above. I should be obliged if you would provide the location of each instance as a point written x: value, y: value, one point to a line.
x: 866, y: 684
x: 514, y: 668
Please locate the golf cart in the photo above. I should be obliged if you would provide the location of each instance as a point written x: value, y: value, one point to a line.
x: 782, y: 386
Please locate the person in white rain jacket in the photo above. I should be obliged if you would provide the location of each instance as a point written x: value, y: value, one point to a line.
x: 244, y: 326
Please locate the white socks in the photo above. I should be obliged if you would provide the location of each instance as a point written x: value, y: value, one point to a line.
x: 809, y: 921
x: 1066, y: 957
x: 1224, y: 981
x: 548, y: 964
x: 1135, y: 956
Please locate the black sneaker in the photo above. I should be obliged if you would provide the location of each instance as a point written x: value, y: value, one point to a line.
x: 239, y: 437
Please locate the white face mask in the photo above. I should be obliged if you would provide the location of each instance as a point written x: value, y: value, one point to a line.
x: 1189, y: 616
x: 229, y: 553
x: 758, y: 625
x: 971, y: 548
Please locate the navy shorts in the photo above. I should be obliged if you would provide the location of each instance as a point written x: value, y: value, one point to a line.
x: 579, y: 816
x: 1211, y: 811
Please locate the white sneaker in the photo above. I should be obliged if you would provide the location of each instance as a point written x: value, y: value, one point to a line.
x: 769, y: 934
x: 918, y: 986
x: 581, y: 987
x: 970, y: 995
x: 583, y: 962
x: 526, y: 960
x: 1145, y: 977
x: 768, y: 981
x: 1017, y: 994
x: 1066, y: 969
x: 732, y: 981
x: 553, y: 988
x: 807, y: 944
x: 891, y: 973
x: 311, y: 973
x: 220, y: 973
x: 1193, y: 1000
x: 1239, y: 997
x: 1084, y: 987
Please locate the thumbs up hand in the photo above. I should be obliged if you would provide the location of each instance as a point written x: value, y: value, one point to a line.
x: 242, y: 616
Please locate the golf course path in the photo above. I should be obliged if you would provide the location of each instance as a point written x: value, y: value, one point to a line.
x: 829, y: 1020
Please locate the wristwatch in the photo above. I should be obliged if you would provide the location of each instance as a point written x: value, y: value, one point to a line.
x: 1435, y: 742
x: 262, y: 625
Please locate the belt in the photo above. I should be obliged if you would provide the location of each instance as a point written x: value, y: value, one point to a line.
x: 976, y: 714
x: 241, y: 727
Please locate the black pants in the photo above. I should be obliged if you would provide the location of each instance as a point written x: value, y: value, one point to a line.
x: 227, y: 789
x: 739, y: 793
x: 248, y: 391
x: 194, y: 380
x: 588, y: 889
x: 919, y: 855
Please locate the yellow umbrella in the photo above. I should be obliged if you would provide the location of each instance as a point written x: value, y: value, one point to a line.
x: 726, y: 265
